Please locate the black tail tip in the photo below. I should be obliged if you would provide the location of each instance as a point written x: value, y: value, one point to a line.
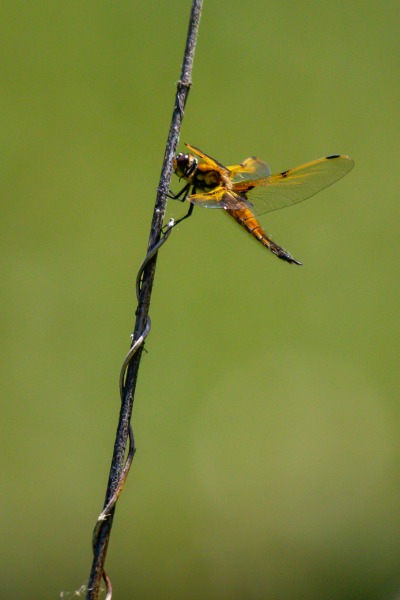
x: 284, y: 255
x: 289, y: 258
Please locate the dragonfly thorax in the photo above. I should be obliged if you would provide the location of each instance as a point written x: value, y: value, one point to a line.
x: 200, y: 175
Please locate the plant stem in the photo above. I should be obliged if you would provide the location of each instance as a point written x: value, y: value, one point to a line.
x: 103, y: 531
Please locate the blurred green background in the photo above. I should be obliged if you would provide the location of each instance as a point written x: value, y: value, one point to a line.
x: 267, y: 418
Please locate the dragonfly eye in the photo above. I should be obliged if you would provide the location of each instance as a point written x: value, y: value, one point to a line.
x: 185, y: 165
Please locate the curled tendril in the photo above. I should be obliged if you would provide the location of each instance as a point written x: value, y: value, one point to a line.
x: 137, y: 342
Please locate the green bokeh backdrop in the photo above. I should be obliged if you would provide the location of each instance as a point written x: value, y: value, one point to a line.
x: 267, y: 417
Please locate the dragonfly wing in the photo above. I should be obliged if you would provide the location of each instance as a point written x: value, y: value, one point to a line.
x: 295, y: 185
x: 220, y: 198
x: 214, y: 164
x: 251, y: 168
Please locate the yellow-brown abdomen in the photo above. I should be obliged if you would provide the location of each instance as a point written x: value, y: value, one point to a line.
x: 246, y: 219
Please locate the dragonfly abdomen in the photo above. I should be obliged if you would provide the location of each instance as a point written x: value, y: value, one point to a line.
x: 246, y: 219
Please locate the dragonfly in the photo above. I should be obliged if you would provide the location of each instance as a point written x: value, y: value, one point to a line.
x: 248, y: 190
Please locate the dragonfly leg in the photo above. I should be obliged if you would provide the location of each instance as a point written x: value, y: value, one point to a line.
x: 181, y: 196
x: 188, y: 214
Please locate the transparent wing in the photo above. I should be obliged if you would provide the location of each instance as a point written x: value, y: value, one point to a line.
x: 293, y: 186
x: 214, y: 164
x: 220, y: 197
x: 251, y: 168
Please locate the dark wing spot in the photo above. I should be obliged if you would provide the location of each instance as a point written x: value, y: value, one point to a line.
x: 333, y: 156
x: 284, y: 173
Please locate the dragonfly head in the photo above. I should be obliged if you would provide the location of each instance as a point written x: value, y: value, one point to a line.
x: 185, y: 165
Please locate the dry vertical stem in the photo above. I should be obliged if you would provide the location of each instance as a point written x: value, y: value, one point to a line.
x: 103, y: 529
